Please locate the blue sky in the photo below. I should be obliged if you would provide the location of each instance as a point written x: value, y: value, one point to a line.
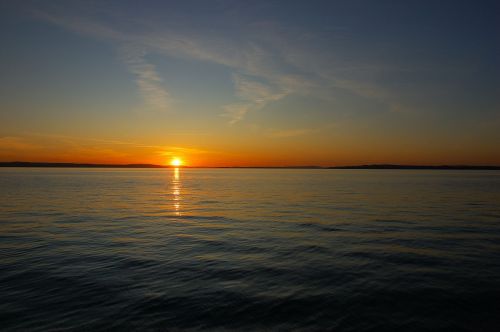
x: 331, y: 82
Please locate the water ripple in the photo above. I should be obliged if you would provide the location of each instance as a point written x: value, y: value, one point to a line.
x: 249, y: 250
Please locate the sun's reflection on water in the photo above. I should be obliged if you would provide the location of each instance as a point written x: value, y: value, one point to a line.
x: 176, y: 191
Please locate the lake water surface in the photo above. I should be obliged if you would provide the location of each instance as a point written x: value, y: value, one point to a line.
x: 249, y: 250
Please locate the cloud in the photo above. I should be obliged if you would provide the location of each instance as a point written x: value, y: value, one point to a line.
x: 268, y: 60
x: 12, y: 143
x: 236, y: 112
x: 132, y: 51
x: 78, y: 24
x: 55, y: 147
x: 105, y: 143
x: 175, y: 150
x: 254, y: 95
x: 256, y: 92
x: 148, y: 80
x: 256, y: 78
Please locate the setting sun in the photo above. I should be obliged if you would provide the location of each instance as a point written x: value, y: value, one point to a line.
x: 176, y: 162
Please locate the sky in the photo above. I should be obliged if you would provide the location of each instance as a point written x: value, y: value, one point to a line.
x: 251, y: 83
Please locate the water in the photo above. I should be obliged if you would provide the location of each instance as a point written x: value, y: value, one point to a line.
x: 249, y: 249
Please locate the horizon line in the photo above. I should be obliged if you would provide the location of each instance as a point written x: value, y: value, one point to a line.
x: 145, y: 165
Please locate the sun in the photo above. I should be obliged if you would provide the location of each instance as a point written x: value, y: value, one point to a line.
x: 176, y: 162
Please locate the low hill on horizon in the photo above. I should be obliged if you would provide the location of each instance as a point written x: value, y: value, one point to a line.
x: 369, y: 166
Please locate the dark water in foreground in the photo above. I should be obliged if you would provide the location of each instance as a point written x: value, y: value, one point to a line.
x: 312, y: 250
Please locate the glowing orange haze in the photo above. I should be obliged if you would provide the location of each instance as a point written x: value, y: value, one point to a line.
x: 282, y: 154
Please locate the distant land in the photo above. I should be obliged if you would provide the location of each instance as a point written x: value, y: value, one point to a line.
x: 69, y: 165
x: 371, y: 166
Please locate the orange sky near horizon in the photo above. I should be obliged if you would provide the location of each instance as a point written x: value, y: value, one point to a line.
x: 263, y: 84
x: 272, y: 154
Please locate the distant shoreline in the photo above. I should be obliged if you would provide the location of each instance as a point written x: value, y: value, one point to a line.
x: 371, y: 166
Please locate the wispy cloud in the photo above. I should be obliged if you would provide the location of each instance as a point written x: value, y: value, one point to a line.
x: 236, y: 112
x: 257, y: 92
x: 270, y: 63
x: 68, y: 140
x: 175, y: 150
x: 132, y: 51
x: 256, y: 78
x: 254, y: 95
x: 15, y: 143
x: 78, y: 24
x: 56, y: 147
x: 148, y: 80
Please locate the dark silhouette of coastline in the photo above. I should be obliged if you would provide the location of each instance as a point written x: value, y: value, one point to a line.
x: 390, y: 166
x: 74, y: 165
x: 372, y: 166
